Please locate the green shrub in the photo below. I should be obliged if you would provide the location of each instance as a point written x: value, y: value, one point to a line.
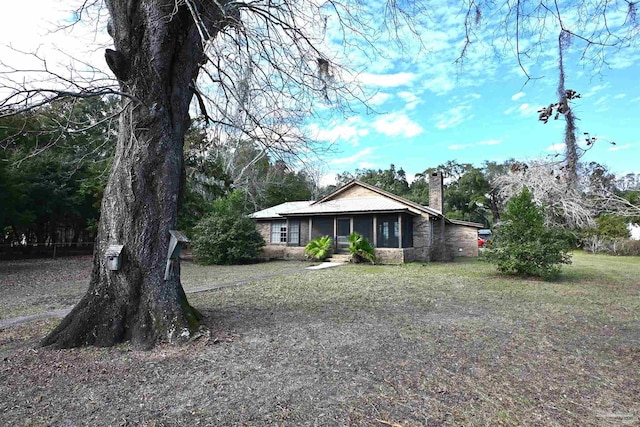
x: 320, y: 248
x: 524, y: 246
x: 360, y: 248
x: 612, y: 226
x: 611, y: 236
x: 226, y: 238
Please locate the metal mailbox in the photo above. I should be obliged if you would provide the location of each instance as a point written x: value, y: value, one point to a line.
x: 176, y: 242
x: 114, y: 258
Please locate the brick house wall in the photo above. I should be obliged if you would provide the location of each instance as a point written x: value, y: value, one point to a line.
x: 462, y: 240
x: 304, y: 231
x: 421, y: 249
x: 264, y: 228
x: 440, y: 250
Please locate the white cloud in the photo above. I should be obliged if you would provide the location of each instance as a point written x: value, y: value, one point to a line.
x: 624, y: 59
x: 440, y: 84
x: 411, y: 100
x: 397, y: 124
x: 348, y: 131
x: 601, y: 100
x: 480, y: 143
x: 517, y: 96
x: 523, y: 110
x: 328, y: 179
x: 386, y: 80
x: 74, y: 53
x: 490, y: 142
x: 378, y: 99
x: 333, y: 134
x: 620, y: 96
x: 619, y: 147
x: 355, y: 158
x: 453, y: 117
x: 556, y: 147
x: 595, y: 89
x: 527, y: 110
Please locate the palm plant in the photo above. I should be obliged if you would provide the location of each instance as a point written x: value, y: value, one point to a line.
x: 320, y: 248
x: 360, y: 248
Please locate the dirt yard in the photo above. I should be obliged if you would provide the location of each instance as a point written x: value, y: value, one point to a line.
x: 357, y: 345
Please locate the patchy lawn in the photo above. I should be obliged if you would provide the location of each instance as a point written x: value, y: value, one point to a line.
x: 32, y: 286
x: 413, y: 345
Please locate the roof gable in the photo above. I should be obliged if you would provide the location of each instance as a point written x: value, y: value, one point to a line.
x: 370, y: 190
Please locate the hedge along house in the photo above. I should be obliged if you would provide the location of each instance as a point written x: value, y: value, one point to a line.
x: 399, y: 229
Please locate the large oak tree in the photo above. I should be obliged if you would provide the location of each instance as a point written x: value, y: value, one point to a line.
x: 265, y: 65
x: 160, y: 47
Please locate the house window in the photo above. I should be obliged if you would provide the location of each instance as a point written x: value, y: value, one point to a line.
x: 279, y: 232
x: 294, y: 232
x: 388, y: 232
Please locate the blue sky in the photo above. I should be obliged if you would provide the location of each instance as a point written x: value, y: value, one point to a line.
x: 492, y: 120
x: 430, y: 109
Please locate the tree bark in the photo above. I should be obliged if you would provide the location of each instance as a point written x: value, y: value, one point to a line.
x: 159, y: 53
x: 571, y: 145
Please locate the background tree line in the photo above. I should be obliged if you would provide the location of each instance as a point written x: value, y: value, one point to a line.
x: 52, y: 179
x: 478, y: 194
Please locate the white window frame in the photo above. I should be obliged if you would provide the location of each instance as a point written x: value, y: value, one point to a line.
x: 279, y: 232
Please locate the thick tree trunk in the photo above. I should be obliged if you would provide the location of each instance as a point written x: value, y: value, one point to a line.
x: 158, y: 55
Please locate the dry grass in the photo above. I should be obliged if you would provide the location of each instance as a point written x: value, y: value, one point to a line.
x: 35, y: 285
x: 413, y: 345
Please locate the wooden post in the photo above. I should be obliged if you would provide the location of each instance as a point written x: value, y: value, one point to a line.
x: 375, y: 230
x: 400, y: 230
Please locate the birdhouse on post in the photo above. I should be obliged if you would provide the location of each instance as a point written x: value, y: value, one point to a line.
x: 176, y: 242
x: 113, y: 255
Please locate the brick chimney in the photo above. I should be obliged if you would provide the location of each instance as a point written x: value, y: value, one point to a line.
x: 436, y: 192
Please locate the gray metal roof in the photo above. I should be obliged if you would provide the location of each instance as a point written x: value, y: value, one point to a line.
x: 275, y: 211
x: 467, y: 223
x: 352, y: 205
x: 328, y: 205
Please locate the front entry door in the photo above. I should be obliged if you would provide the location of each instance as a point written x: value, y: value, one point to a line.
x: 344, y: 229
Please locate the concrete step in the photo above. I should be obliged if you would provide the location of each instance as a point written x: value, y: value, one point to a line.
x: 339, y: 258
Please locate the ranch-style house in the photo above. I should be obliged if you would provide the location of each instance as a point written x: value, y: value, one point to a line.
x: 399, y: 229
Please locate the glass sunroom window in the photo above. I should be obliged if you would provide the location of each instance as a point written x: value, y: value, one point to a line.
x: 388, y: 232
x: 279, y: 232
x: 294, y: 232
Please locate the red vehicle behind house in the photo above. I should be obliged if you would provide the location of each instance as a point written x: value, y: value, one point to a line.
x: 484, y: 236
